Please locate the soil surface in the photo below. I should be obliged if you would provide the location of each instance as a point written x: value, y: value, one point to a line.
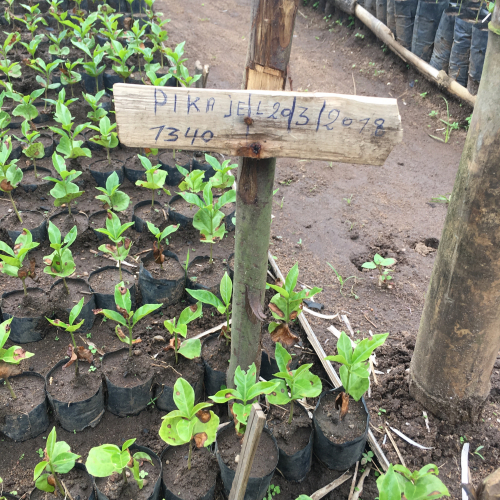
x: 184, y: 208
x: 291, y: 437
x: 66, y: 222
x: 63, y: 385
x: 104, y: 281
x: 266, y: 456
x: 171, y: 269
x: 60, y: 299
x: 216, y: 353
x: 189, y: 484
x: 156, y: 215
x: 30, y: 306
x: 127, y: 372
x: 115, y: 489
x: 104, y: 166
x: 29, y: 391
x: 78, y: 483
x: 31, y: 220
x: 206, y: 274
x: 190, y: 369
x: 182, y: 158
x: 29, y: 176
x: 339, y: 431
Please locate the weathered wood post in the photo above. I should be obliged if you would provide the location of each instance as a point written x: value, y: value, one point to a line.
x: 459, y: 336
x: 272, y: 24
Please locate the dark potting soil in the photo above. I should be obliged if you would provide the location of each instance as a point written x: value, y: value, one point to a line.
x: 189, y: 484
x: 157, y: 215
x: 30, y: 306
x: 115, y: 489
x: 229, y: 445
x: 31, y: 220
x: 29, y: 176
x: 105, y: 166
x: 228, y: 209
x: 341, y: 431
x: 77, y: 481
x: 291, y: 437
x: 171, y: 270
x: 182, y: 158
x: 190, y: 369
x: 45, y: 140
x: 128, y: 372
x: 60, y: 300
x: 64, y: 386
x: 99, y: 221
x: 184, y: 208
x: 105, y: 281
x: 216, y: 353
x: 208, y: 274
x: 66, y: 222
x: 30, y: 392
x: 269, y: 346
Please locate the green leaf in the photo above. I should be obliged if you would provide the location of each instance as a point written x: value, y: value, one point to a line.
x: 388, y: 486
x: 4, y: 332
x: 306, y: 385
x: 76, y: 311
x: 188, y: 315
x: 183, y: 397
x: 114, y: 316
x: 426, y: 487
x: 282, y: 356
x: 51, y: 443
x: 123, y: 301
x: 261, y: 388
x: 226, y: 289
x: 369, y: 265
x: 103, y: 460
x: 291, y: 279
x: 168, y: 430
x: 338, y: 358
x: 190, y: 348
x: 344, y: 347
x: 206, y: 297
x: 64, y: 462
x: 127, y: 444
x: 280, y: 290
x: 144, y: 311
x: 225, y: 395
x: 42, y: 484
x: 39, y: 468
x: 357, y: 386
x: 279, y: 396
x: 366, y: 347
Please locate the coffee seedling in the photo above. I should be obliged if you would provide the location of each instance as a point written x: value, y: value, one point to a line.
x: 75, y: 352
x: 68, y: 74
x: 300, y: 383
x: 98, y: 111
x: 46, y: 69
x: 155, y: 178
x: 180, y: 71
x: 379, y: 263
x: 55, y: 48
x: 120, y: 57
x: 32, y: 18
x: 247, y: 389
x: 106, y: 137
x: 11, y: 357
x: 57, y: 459
x: 33, y: 149
x: 448, y: 126
x: 13, y: 261
x: 190, y: 423
x: 105, y: 460
x: 222, y: 178
x: 114, y: 230
x: 398, y: 482
x: 10, y: 174
x: 32, y: 46
x: 113, y: 199
x: 286, y: 305
x: 60, y: 263
x: 193, y: 181
x: 207, y: 297
x: 190, y: 348
x: 26, y: 108
x: 160, y: 236
x: 354, y: 370
x: 124, y: 315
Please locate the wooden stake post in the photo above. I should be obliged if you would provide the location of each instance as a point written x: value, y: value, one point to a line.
x: 256, y: 422
x: 258, y: 124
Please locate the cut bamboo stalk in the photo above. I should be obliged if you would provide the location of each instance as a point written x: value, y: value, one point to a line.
x: 330, y: 487
x: 327, y: 365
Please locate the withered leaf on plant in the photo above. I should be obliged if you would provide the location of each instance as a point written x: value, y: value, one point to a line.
x: 8, y: 370
x: 120, y: 334
x: 276, y: 310
x: 158, y: 253
x: 200, y: 439
x: 283, y: 334
x: 342, y: 402
x: 203, y: 416
x: 171, y: 344
x: 81, y: 354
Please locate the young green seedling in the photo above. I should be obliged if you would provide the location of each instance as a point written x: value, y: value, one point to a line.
x: 158, y: 37
x: 148, y: 55
x: 398, y: 482
x: 286, y: 305
x: 55, y: 48
x: 193, y: 181
x: 223, y: 306
x: 68, y: 74
x: 222, y: 178
x: 9, y: 10
x: 190, y: 423
x: 449, y: 126
x: 33, y: 149
x: 26, y: 109
x: 92, y: 61
x: 4, y: 118
x: 135, y: 39
x: 160, y: 236
x: 13, y: 262
x: 75, y: 352
x: 32, y: 18
x: 32, y: 47
x: 110, y: 22
x: 190, y: 348
x: 106, y: 137
x: 354, y: 372
x: 114, y: 230
x: 247, y: 389
x: 64, y: 191
x: 61, y: 98
x: 11, y: 357
x: 46, y: 69
x: 69, y: 146
x: 10, y: 174
x: 209, y: 216
x: 113, y: 199
x: 120, y: 57
x: 10, y: 69
x: 295, y: 384
x: 155, y: 178
x: 340, y: 279
x: 9, y: 44
x: 124, y: 315
x: 97, y: 111
x: 105, y: 460
x: 180, y: 71
x: 60, y: 262
x: 379, y: 263
x: 156, y: 81
x: 57, y: 459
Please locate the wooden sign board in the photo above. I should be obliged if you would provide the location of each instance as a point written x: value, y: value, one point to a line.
x: 259, y: 124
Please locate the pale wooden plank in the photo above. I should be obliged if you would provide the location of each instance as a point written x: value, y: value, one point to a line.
x: 327, y: 365
x: 319, y: 126
x: 251, y: 439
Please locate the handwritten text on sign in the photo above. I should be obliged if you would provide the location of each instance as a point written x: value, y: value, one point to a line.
x: 259, y: 124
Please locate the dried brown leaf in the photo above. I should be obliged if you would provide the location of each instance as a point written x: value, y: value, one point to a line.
x: 8, y: 370
x: 276, y: 310
x: 200, y: 439
x: 158, y: 253
x: 283, y: 334
x: 170, y: 346
x: 342, y: 402
x: 203, y: 416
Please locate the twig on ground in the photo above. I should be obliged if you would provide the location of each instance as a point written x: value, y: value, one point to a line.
x: 395, y: 446
x: 426, y: 418
x: 464, y: 462
x: 353, y: 484
x: 345, y: 319
x: 319, y: 315
x: 408, y: 440
x: 359, y: 487
x: 370, y: 321
x: 317, y: 495
x: 353, y: 82
x: 212, y: 330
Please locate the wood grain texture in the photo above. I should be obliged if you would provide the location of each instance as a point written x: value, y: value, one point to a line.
x: 259, y: 124
x: 251, y: 440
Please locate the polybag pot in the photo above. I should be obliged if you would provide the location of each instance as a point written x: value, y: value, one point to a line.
x: 164, y: 395
x: 102, y: 177
x: 42, y: 172
x: 139, y: 223
x: 404, y: 12
x: 206, y: 167
x: 479, y: 42
x: 444, y: 40
x: 125, y: 401
x: 460, y: 50
x: 107, y: 300
x: 381, y: 10
x: 214, y: 379
x: 89, y: 83
x: 338, y: 456
x: 38, y: 233
x: 176, y: 217
x: 28, y: 425
x: 23, y: 330
x: 174, y: 177
x: 268, y: 366
x: 77, y: 415
x: 427, y: 19
x: 257, y: 486
x: 164, y: 291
